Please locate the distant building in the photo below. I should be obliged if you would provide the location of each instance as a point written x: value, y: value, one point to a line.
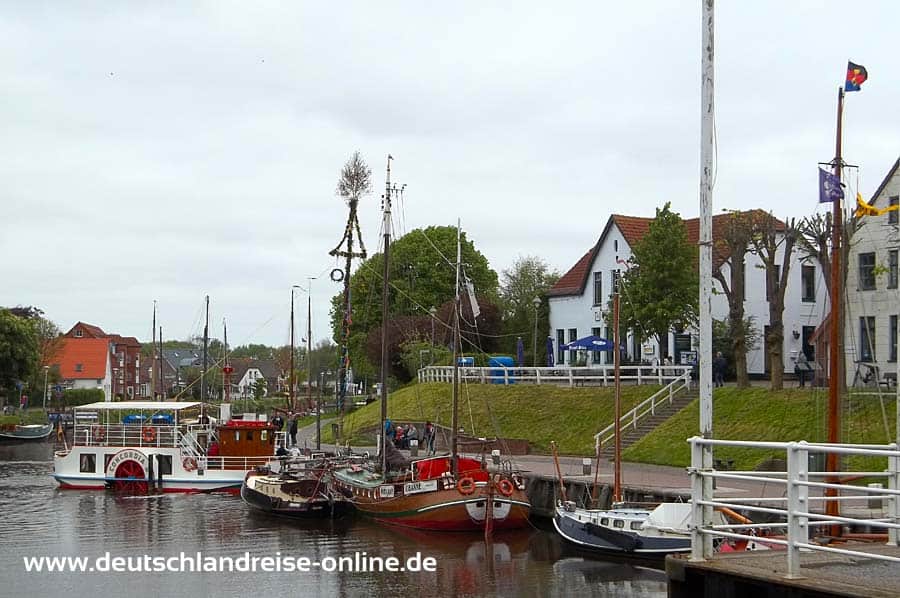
x: 578, y: 302
x: 125, y: 358
x: 247, y: 371
x: 85, y: 363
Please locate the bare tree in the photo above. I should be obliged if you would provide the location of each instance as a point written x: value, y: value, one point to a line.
x: 770, y: 237
x: 356, y: 179
x: 732, y: 247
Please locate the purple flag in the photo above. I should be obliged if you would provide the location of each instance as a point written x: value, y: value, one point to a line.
x: 829, y: 187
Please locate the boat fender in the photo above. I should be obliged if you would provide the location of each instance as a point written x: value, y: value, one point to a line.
x: 148, y: 433
x: 505, y: 487
x: 466, y: 486
x: 189, y: 463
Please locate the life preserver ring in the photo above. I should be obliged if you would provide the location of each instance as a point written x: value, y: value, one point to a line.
x: 98, y: 432
x: 189, y: 464
x: 148, y: 433
x: 466, y: 486
x: 505, y: 487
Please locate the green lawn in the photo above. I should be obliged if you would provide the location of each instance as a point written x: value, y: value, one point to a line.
x: 760, y: 414
x: 570, y: 416
x: 31, y: 416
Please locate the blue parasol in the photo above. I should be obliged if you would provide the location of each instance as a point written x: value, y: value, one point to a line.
x: 591, y: 343
x: 549, y: 351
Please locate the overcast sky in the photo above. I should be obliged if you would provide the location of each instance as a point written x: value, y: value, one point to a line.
x: 166, y: 151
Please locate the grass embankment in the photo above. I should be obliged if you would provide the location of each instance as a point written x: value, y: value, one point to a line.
x: 570, y: 416
x: 760, y: 414
x: 30, y: 416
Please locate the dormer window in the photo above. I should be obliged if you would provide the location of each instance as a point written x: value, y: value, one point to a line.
x: 78, y: 333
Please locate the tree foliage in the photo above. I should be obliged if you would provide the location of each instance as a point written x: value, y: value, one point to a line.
x: 20, y: 351
x: 528, y: 279
x: 660, y: 287
x: 355, y: 180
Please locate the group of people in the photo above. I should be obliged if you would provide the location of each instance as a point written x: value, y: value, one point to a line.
x: 278, y: 422
x: 403, y: 436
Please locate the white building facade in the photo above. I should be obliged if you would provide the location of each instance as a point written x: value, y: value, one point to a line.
x: 578, y: 302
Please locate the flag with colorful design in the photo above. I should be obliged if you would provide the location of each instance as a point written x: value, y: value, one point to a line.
x: 829, y: 187
x: 856, y: 76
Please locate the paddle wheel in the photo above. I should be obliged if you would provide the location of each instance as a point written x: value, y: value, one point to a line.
x: 136, y: 482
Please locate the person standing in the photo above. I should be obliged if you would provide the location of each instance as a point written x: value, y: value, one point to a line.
x: 428, y: 437
x: 292, y: 430
x: 718, y: 366
x: 801, y: 368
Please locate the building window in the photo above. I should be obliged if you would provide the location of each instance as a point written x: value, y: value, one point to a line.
x: 79, y: 367
x: 595, y: 355
x: 867, y: 338
x: 893, y: 217
x: 808, y: 283
x: 78, y: 333
x: 893, y: 336
x: 598, y: 288
x: 573, y: 336
x: 560, y: 341
x: 892, y: 269
x: 867, y: 271
x: 773, y: 288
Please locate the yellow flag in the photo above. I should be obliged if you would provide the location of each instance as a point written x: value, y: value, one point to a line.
x: 864, y: 209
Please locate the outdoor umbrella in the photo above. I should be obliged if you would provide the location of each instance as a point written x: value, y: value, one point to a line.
x: 591, y: 343
x: 549, y: 351
x: 520, y: 352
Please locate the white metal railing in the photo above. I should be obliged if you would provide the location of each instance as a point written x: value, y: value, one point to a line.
x: 793, y: 509
x: 645, y: 408
x: 598, y: 375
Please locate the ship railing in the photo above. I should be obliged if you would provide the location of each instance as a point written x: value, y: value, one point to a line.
x: 126, y: 435
x: 875, y: 505
x: 232, y: 463
x: 596, y: 375
x: 644, y: 409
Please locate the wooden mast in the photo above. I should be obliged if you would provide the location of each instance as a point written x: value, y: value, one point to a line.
x: 617, y: 356
x: 291, y: 380
x: 385, y: 294
x: 834, y: 357
x: 153, y: 362
x: 454, y: 426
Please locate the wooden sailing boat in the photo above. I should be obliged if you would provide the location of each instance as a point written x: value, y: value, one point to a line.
x: 447, y: 493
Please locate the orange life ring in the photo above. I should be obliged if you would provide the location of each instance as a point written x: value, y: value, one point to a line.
x: 189, y: 464
x: 98, y: 432
x: 148, y: 434
x: 506, y: 487
x: 466, y: 486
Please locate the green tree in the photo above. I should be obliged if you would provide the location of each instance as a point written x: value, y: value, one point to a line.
x: 19, y: 351
x: 259, y: 388
x: 660, y: 287
x: 723, y: 341
x: 421, y: 277
x: 528, y: 279
x: 256, y: 351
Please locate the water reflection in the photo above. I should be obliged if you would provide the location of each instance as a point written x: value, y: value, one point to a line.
x: 38, y: 519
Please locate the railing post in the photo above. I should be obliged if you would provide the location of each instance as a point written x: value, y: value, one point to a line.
x: 505, y: 376
x: 893, y: 499
x: 604, y: 376
x: 697, y: 494
x: 797, y: 494
x: 640, y: 370
x: 537, y: 375
x: 571, y: 379
x: 481, y: 371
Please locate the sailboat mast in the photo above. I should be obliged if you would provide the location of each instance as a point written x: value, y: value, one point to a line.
x: 385, y: 294
x: 226, y: 369
x: 162, y: 388
x: 153, y: 361
x: 309, y: 365
x: 454, y: 426
x: 617, y: 357
x: 834, y: 364
x: 291, y: 379
x: 205, y: 357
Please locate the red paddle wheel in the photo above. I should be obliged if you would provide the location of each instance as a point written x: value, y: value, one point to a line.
x: 131, y: 479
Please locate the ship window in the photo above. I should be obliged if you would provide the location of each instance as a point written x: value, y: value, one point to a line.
x: 164, y: 464
x: 249, y: 435
x: 604, y: 521
x: 635, y: 525
x: 88, y: 463
x: 618, y: 523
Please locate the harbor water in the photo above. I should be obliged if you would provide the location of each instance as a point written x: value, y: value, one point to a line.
x: 38, y: 520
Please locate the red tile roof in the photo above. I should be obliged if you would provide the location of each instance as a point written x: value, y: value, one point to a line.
x: 89, y: 329
x: 91, y: 353
x: 633, y: 229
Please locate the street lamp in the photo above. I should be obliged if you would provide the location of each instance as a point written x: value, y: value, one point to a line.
x: 537, y: 304
x: 432, y: 312
x: 46, y: 388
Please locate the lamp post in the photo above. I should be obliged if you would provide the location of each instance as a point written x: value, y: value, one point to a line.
x: 432, y: 312
x: 537, y: 304
x: 46, y: 388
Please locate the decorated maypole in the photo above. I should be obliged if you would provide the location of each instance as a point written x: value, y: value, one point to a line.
x: 355, y: 181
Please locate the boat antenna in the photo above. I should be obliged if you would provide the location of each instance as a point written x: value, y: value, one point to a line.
x: 385, y: 294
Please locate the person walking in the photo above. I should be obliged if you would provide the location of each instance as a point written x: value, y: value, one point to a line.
x: 802, y: 368
x: 718, y: 366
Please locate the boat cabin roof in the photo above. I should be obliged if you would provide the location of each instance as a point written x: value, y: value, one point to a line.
x: 142, y: 405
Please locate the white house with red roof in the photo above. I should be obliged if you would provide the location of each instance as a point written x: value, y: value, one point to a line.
x: 578, y: 302
x: 85, y: 363
x: 125, y: 358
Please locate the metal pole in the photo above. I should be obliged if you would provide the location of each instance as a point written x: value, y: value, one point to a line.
x: 454, y: 440
x: 617, y: 357
x: 707, y: 113
x: 309, y: 364
x: 537, y: 305
x: 46, y: 389
x: 205, y: 355
x: 153, y: 361
x: 385, y: 294
x: 291, y: 379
